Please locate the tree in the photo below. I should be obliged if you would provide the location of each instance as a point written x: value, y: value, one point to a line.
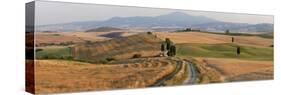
x: 168, y: 43
x: 162, y: 47
x: 149, y: 32
x: 169, y: 53
x: 238, y: 50
x: 188, y: 29
x: 173, y: 50
x: 227, y: 31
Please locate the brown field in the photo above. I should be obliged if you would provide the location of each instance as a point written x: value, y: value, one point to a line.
x: 76, y: 37
x: 236, y: 69
x: 66, y: 76
x: 208, y: 38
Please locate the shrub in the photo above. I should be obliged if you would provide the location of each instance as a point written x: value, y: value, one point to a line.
x: 103, y: 61
x: 56, y: 35
x: 109, y: 59
x: 38, y: 49
x: 88, y: 42
x: 136, y: 55
x: 68, y: 57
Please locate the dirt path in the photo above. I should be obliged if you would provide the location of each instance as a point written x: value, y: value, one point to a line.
x: 191, y: 75
x: 161, y: 81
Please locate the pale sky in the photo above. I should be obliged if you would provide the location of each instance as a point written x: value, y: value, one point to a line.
x: 48, y: 12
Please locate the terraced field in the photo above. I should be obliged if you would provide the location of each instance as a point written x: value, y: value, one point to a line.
x: 64, y: 76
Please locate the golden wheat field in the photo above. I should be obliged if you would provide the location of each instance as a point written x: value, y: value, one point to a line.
x: 208, y: 38
x: 236, y: 69
x: 65, y: 76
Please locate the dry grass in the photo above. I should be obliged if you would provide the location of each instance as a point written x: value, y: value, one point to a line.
x: 206, y: 73
x: 67, y: 76
x: 236, y: 69
x: 76, y: 37
x: 179, y: 78
x: 54, y: 37
x: 122, y: 48
x: 199, y: 37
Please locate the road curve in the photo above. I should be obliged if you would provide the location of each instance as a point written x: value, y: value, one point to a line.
x: 192, y: 74
x: 161, y: 81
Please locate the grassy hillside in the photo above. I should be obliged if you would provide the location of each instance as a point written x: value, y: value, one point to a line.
x: 225, y: 51
x: 53, y: 52
x: 140, y: 45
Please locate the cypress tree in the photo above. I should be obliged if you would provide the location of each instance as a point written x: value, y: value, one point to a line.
x: 173, y: 50
x: 162, y: 47
x: 168, y: 43
x: 238, y: 50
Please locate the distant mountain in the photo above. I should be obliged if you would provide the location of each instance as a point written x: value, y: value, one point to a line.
x: 236, y: 27
x: 104, y: 29
x: 175, y: 20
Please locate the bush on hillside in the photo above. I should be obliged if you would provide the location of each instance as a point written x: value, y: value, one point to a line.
x: 136, y: 55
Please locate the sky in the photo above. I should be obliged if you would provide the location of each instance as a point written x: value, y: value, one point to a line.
x: 48, y: 12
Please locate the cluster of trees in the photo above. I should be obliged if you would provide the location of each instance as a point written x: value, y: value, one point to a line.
x: 188, y: 29
x: 169, y: 47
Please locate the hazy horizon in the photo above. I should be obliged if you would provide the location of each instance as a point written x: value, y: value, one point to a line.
x: 48, y: 12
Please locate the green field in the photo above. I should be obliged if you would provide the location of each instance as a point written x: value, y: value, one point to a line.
x: 224, y: 51
x: 53, y: 52
x: 268, y: 35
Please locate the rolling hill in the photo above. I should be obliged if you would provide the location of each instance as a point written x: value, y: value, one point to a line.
x: 140, y: 45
